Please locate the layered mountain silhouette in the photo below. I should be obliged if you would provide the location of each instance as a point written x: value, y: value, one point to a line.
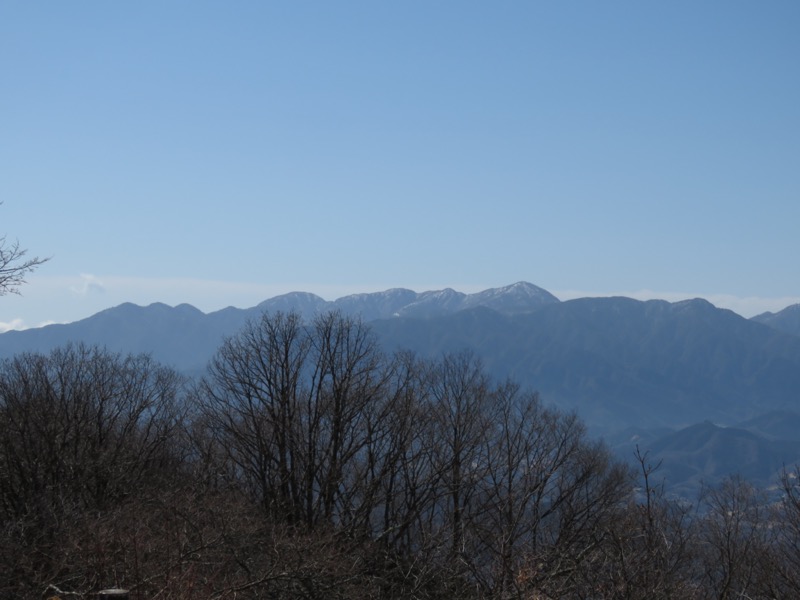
x: 618, y: 362
x: 623, y: 362
x: 184, y: 337
x: 787, y: 320
x: 518, y: 298
x: 704, y: 453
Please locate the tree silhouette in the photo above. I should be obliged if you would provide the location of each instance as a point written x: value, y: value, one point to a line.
x: 14, y: 265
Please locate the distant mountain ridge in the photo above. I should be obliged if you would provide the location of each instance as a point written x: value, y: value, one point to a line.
x: 786, y: 320
x: 704, y: 453
x: 185, y: 337
x: 620, y: 362
x: 517, y: 298
x: 654, y: 367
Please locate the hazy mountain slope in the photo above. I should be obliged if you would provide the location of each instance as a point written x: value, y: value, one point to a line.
x: 623, y: 362
x: 307, y: 305
x: 619, y: 362
x: 377, y: 305
x: 180, y: 336
x: 518, y: 298
x: 775, y: 425
x: 186, y: 338
x: 787, y: 320
x: 706, y: 453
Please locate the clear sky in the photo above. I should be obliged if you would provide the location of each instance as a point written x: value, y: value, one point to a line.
x: 220, y: 153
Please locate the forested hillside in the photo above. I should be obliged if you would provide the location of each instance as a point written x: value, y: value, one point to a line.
x: 308, y: 463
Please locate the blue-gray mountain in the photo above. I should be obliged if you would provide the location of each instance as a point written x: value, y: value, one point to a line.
x: 186, y: 338
x: 787, y: 320
x: 757, y: 449
x: 619, y: 362
x: 623, y: 362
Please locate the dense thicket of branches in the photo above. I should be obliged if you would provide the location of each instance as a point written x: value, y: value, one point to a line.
x: 308, y: 464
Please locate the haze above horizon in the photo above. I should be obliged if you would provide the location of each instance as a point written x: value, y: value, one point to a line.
x: 221, y: 155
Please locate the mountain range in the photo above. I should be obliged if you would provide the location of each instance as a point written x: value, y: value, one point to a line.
x: 685, y: 369
x: 620, y: 361
x: 787, y: 320
x: 757, y: 449
x: 185, y: 338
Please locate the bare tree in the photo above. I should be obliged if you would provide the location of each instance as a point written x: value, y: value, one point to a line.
x: 251, y: 400
x: 784, y: 519
x: 510, y: 498
x: 735, y: 540
x: 307, y: 464
x: 84, y: 434
x: 291, y: 406
x: 575, y: 490
x: 651, y: 549
x: 459, y: 408
x: 14, y: 265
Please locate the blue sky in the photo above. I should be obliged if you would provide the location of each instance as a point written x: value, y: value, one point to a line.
x: 222, y: 153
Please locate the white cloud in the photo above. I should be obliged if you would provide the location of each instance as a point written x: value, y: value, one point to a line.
x: 14, y: 324
x: 87, y: 284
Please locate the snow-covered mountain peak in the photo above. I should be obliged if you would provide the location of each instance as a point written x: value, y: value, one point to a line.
x: 515, y: 298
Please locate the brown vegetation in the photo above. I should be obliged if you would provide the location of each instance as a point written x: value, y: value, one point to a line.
x: 307, y: 464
